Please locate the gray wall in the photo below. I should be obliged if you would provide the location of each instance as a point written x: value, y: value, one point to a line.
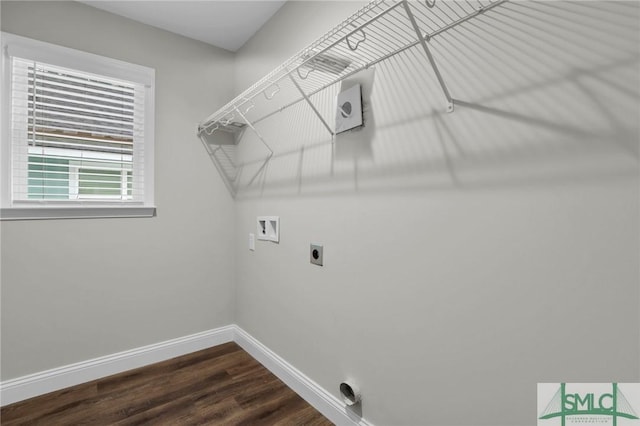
x: 77, y: 289
x: 470, y: 255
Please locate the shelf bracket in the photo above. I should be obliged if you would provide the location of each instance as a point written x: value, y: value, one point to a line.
x: 272, y: 94
x: 254, y: 131
x: 355, y: 46
x: 306, y: 75
x: 250, y: 107
x: 210, y: 128
x: 313, y: 107
x: 228, y: 120
x: 432, y: 61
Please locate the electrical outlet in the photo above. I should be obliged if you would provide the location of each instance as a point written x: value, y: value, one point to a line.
x: 315, y: 254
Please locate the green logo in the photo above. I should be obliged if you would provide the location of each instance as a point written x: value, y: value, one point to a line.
x: 567, y: 404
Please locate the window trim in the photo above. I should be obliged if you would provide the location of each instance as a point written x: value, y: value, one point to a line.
x: 14, y: 45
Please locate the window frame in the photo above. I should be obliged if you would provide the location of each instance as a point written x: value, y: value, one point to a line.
x: 14, y: 45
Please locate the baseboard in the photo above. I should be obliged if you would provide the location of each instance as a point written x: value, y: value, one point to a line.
x: 329, y: 405
x: 74, y: 374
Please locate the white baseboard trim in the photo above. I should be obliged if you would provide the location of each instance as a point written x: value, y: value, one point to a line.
x: 74, y: 374
x: 323, y: 401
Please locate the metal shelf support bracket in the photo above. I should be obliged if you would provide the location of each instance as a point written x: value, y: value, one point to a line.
x: 255, y: 131
x: 313, y: 107
x: 432, y: 61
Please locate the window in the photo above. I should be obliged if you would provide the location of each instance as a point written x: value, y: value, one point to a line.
x: 77, y: 135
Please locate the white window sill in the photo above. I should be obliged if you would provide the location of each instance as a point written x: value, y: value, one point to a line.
x: 36, y: 213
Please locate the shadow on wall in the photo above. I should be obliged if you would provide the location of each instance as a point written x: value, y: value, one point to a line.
x: 544, y: 92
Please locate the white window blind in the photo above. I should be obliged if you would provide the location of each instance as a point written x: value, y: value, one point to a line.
x: 76, y: 136
x: 77, y: 133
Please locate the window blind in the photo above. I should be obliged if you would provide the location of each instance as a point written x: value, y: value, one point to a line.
x: 75, y: 136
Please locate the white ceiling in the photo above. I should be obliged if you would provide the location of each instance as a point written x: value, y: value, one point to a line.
x: 226, y: 24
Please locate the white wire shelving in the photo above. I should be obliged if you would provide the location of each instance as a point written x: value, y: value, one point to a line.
x: 376, y: 32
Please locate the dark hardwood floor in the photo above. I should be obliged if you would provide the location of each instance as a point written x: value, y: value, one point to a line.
x: 222, y: 385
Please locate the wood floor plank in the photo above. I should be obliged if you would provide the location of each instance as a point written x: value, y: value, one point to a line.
x: 307, y: 416
x: 222, y: 385
x: 68, y: 398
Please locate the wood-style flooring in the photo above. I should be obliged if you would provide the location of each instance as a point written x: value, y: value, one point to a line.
x: 222, y: 385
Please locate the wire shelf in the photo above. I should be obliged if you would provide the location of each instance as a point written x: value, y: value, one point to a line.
x: 376, y: 32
